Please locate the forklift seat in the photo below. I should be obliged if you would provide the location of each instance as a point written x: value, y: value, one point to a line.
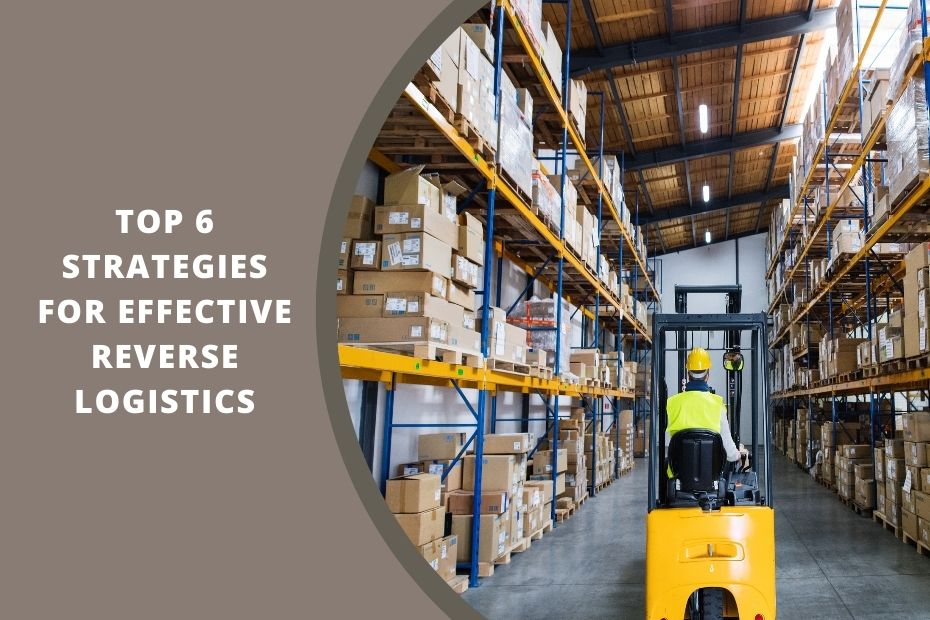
x: 696, y: 459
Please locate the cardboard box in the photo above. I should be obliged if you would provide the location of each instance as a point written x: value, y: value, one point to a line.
x: 464, y: 271
x: 465, y: 338
x: 430, y: 553
x: 509, y: 443
x: 921, y: 504
x: 423, y: 527
x: 925, y: 479
x: 366, y: 255
x: 401, y: 329
x: 359, y: 220
x: 424, y: 305
x: 923, y: 527
x: 907, y: 501
x: 532, y: 520
x: 409, y: 187
x: 345, y: 252
x: 343, y: 281
x: 915, y: 454
x: 492, y: 536
x: 497, y: 472
x: 409, y: 494
x: 453, y: 480
x: 542, y: 461
x: 461, y: 296
x: 382, y: 282
x: 861, y: 451
x: 492, y: 502
x: 483, y: 38
x: 471, y: 238
x: 880, y: 501
x: 440, y: 446
x: 359, y: 306
x: 909, y: 524
x: 916, y: 426
x: 893, y: 492
x: 865, y: 495
x: 894, y: 448
x: 416, y: 218
x: 894, y: 470
x: 448, y: 552
x: 416, y: 252
x: 532, y: 496
x: 545, y: 487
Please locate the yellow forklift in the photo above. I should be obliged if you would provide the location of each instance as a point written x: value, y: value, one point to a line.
x: 710, y: 529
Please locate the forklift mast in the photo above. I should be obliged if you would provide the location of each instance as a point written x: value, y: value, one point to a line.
x: 733, y: 295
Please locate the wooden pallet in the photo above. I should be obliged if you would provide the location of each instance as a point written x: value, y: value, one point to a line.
x: 903, y: 194
x: 521, y: 545
x: 923, y: 549
x: 432, y: 94
x: 918, y: 362
x: 505, y: 366
x: 459, y: 584
x: 544, y: 529
x: 542, y: 372
x: 504, y: 176
x: 475, y: 139
x: 907, y: 539
x: 882, y: 520
x: 429, y: 351
x: 486, y: 569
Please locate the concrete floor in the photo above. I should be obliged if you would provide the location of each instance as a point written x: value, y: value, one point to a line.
x: 831, y: 563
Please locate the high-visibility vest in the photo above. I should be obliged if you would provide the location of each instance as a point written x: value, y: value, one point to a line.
x: 694, y: 409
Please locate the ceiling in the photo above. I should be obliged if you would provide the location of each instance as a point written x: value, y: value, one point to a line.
x: 750, y: 61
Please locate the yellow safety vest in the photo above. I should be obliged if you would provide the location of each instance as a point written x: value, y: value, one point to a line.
x: 694, y: 409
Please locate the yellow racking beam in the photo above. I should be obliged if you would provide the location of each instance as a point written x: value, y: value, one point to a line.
x: 857, y: 164
x: 554, y: 98
x: 904, y: 381
x: 383, y: 367
x: 853, y: 77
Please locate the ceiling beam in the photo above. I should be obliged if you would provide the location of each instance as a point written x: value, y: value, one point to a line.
x: 618, y: 103
x: 586, y: 60
x: 739, y: 200
x: 794, y: 73
x: 715, y: 146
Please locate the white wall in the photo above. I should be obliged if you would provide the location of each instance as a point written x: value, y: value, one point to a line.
x: 716, y: 264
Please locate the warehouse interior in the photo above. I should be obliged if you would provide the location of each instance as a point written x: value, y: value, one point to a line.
x: 521, y: 240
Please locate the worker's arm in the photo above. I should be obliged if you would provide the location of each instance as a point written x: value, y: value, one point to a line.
x: 733, y: 453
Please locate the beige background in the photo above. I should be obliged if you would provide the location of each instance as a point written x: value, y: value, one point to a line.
x: 248, y: 109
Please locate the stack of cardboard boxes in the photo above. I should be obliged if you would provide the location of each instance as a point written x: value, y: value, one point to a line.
x: 848, y: 457
x: 626, y: 440
x: 415, y: 502
x: 436, y: 453
x: 542, y: 313
x: 916, y: 300
x: 895, y: 472
x: 801, y: 440
x: 413, y: 267
x: 833, y: 440
x: 506, y: 342
x: 915, y: 485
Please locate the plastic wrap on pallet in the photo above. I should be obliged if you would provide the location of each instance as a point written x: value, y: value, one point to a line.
x: 515, y: 147
x: 545, y: 198
x: 906, y: 131
x: 909, y: 46
x: 541, y: 313
x: 529, y: 12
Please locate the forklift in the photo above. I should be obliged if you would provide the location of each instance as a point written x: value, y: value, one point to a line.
x: 710, y: 527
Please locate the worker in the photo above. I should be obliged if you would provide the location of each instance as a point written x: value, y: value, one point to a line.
x: 698, y: 407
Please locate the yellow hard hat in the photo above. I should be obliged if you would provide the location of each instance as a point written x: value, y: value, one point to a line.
x: 698, y: 360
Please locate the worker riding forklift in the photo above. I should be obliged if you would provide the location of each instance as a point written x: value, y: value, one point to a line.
x: 710, y: 532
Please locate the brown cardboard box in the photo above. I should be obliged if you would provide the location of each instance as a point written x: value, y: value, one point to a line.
x: 430, y: 553
x: 359, y: 306
x: 492, y: 536
x: 359, y: 221
x: 893, y: 514
x: 916, y: 259
x: 343, y: 281
x: 532, y: 520
x: 532, y: 496
x: 440, y: 446
x: 416, y: 252
x: 464, y: 271
x: 409, y: 187
x: 382, y: 282
x: 925, y: 479
x: 912, y: 340
x: 544, y: 487
x: 453, y: 481
x: 864, y: 471
x: 542, y: 461
x: 589, y: 357
x: 915, y: 454
x: 404, y: 218
x: 909, y: 524
x: 492, y: 502
x: 425, y: 305
x: 861, y: 451
x: 516, y: 525
x: 345, y: 251
x: 916, y: 426
x: 448, y: 550
x: 509, y: 443
x: 461, y: 296
x: 921, y: 504
x: 366, y: 255
x: 880, y: 501
x: 471, y: 238
x: 410, y: 494
x: 893, y: 492
x: 894, y: 448
x: 907, y: 501
x: 422, y: 527
x: 865, y: 496
x: 894, y: 470
x: 879, y: 470
x: 923, y: 527
x: 465, y: 339
x: 497, y: 472
x: 402, y: 329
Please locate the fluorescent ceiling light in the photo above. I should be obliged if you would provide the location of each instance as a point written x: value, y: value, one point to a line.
x: 702, y: 117
x: 705, y: 192
x: 707, y: 236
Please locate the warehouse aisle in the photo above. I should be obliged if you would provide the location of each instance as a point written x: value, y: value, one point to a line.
x: 832, y: 563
